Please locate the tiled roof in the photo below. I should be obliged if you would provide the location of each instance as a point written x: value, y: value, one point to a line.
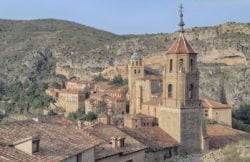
x: 58, y: 139
x: 220, y: 135
x: 105, y: 132
x: 213, y: 104
x: 155, y: 138
x: 181, y: 46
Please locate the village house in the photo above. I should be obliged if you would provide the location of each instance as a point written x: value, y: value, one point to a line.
x: 160, y: 145
x: 222, y: 113
x: 53, y: 92
x: 71, y: 100
x: 45, y: 139
x: 81, y: 85
x: 117, y: 146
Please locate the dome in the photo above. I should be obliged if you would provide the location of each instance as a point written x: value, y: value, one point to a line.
x: 136, y: 56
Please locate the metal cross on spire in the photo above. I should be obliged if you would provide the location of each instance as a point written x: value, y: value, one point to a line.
x: 181, y: 24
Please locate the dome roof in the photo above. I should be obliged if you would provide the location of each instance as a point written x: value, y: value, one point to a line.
x: 136, y: 56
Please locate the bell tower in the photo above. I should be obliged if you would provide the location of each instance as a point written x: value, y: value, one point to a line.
x: 135, y: 71
x: 181, y: 113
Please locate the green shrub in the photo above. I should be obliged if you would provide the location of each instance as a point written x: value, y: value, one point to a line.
x: 72, y: 116
x: 90, y: 116
x: 99, y: 78
x: 118, y: 80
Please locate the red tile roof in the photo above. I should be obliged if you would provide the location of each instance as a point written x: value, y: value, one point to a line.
x: 207, y: 104
x: 220, y: 136
x: 59, y: 139
x: 155, y: 138
x: 105, y: 132
x: 181, y: 46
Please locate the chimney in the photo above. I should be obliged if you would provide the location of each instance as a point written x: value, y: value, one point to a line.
x: 121, y: 142
x: 114, y: 142
x: 117, y: 142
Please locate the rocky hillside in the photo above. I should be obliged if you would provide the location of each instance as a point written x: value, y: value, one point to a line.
x: 35, y: 49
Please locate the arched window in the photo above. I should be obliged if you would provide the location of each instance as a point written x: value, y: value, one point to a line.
x: 191, y: 66
x: 191, y: 91
x: 139, y: 71
x: 136, y: 63
x: 181, y: 67
x: 170, y: 91
x: 171, y: 65
x: 135, y: 71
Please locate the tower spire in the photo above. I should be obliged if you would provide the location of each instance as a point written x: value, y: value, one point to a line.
x: 181, y: 24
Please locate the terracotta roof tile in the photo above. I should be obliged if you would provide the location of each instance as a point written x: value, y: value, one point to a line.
x: 214, y: 104
x: 58, y: 139
x: 181, y: 46
x: 155, y: 138
x: 220, y: 136
x: 105, y: 132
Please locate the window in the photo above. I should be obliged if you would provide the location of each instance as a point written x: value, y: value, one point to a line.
x: 135, y: 71
x: 35, y: 146
x: 181, y: 68
x: 191, y: 91
x: 171, y: 65
x: 206, y: 113
x: 191, y: 68
x: 133, y: 63
x: 136, y: 63
x: 170, y: 91
x: 139, y: 71
x: 79, y: 158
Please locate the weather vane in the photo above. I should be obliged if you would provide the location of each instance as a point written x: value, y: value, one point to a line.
x: 181, y: 24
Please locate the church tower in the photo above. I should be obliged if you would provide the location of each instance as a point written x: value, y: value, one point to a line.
x: 135, y: 71
x: 181, y: 113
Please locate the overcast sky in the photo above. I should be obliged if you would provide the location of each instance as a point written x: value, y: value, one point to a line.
x: 130, y: 16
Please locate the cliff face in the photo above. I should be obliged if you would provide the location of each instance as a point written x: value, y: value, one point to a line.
x: 33, y: 49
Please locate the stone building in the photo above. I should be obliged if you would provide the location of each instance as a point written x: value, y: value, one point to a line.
x: 181, y: 111
x: 172, y: 99
x: 71, y: 100
x: 222, y: 113
x: 135, y: 71
x: 80, y: 85
x: 160, y: 145
x: 112, y: 95
x: 139, y: 121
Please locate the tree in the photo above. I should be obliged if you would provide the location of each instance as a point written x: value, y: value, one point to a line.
x: 223, y: 97
x: 99, y: 78
x: 90, y: 116
x: 55, y: 85
x: 118, y: 80
x: 243, y: 114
